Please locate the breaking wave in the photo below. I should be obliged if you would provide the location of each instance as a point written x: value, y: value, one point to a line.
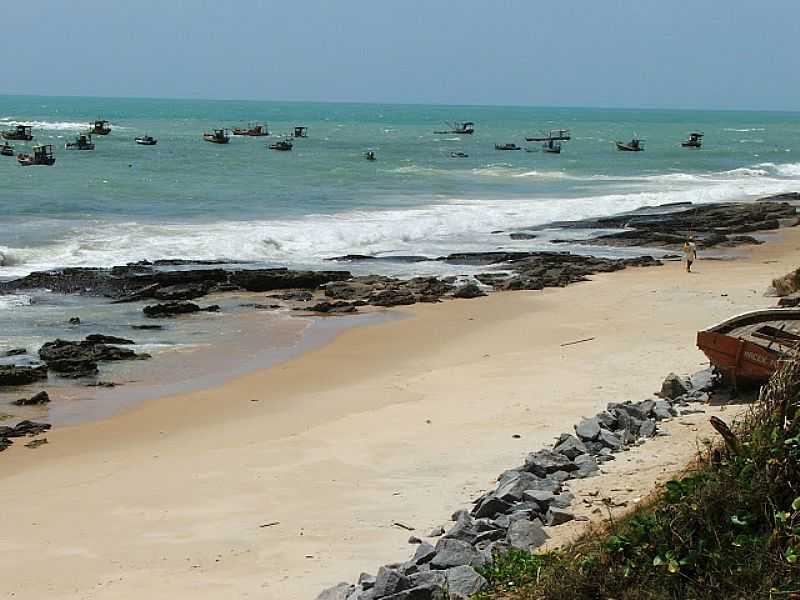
x: 51, y: 125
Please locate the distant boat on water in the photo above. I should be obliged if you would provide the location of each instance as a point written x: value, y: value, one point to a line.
x: 220, y: 136
x: 459, y: 155
x: 21, y: 133
x: 695, y: 140
x: 82, y: 141
x: 635, y: 145
x: 459, y: 128
x: 100, y: 127
x: 552, y: 146
x: 253, y: 130
x: 370, y: 155
x: 282, y: 146
x: 558, y: 135
x: 146, y: 140
x: 506, y: 147
x: 41, y: 155
x: 300, y: 131
x: 7, y: 149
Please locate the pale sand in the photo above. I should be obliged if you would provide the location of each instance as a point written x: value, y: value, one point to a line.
x: 165, y: 500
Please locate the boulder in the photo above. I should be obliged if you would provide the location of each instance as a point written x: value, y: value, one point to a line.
x: 340, y: 591
x: 337, y: 307
x: 562, y: 500
x: 389, y: 581
x: 609, y: 440
x: 662, y: 409
x: 170, y: 309
x: 392, y: 297
x: 463, y: 582
x: 526, y: 535
x: 37, y: 399
x: 171, y: 293
x: 425, y: 552
x: 648, y: 429
x: 674, y: 386
x: 490, y: 506
x: 468, y: 290
x: 511, y: 488
x: 570, y: 446
x: 13, y: 375
x: 557, y: 516
x: 24, y: 428
x: 454, y: 553
x: 544, y: 462
x: 96, y: 338
x: 588, y: 429
x: 587, y: 467
x: 541, y: 498
x: 436, y: 531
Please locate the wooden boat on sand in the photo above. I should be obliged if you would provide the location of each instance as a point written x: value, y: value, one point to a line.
x: 747, y: 348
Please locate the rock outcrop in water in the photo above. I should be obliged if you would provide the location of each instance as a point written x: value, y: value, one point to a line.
x: 11, y: 375
x: 79, y: 359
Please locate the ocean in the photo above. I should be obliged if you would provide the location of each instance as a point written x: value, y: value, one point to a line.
x: 189, y: 199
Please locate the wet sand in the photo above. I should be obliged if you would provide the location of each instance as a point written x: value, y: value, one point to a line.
x: 403, y: 421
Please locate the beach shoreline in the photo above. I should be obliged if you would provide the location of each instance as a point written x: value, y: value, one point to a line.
x: 400, y: 421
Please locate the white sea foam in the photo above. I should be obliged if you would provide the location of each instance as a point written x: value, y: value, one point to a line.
x: 52, y: 125
x: 14, y: 301
x: 745, y: 130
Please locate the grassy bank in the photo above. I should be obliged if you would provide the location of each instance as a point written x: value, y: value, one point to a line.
x: 728, y: 528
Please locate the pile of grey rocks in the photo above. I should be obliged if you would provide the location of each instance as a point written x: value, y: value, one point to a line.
x: 525, y: 502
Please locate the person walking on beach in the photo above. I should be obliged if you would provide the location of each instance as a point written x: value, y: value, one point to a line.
x: 689, y: 253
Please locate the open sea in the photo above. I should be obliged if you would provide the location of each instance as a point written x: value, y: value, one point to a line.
x: 186, y: 198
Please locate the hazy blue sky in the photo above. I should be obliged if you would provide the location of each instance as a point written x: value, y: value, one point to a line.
x: 640, y: 53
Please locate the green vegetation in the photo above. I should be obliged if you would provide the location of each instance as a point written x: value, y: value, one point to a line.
x: 728, y: 528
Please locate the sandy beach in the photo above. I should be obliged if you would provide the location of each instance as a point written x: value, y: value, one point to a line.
x: 283, y: 481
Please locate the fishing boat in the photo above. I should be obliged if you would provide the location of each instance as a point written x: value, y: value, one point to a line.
x: 635, y: 145
x: 7, y: 149
x: 558, y: 135
x: 300, y: 131
x: 146, y: 140
x: 459, y: 128
x: 20, y: 133
x: 253, y: 130
x: 82, y: 141
x: 370, y: 155
x: 506, y: 147
x: 220, y: 136
x: 100, y: 127
x: 459, y: 155
x: 748, y: 347
x: 552, y: 146
x: 282, y: 146
x: 41, y: 155
x: 695, y: 140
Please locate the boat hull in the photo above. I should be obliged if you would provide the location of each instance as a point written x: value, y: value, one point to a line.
x: 628, y: 148
x: 740, y: 360
x: 14, y: 137
x: 27, y: 161
x: 215, y: 140
x: 147, y: 142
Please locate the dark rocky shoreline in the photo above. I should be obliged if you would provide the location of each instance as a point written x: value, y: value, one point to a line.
x: 527, y: 500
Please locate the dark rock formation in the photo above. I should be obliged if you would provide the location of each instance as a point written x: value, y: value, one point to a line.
x: 13, y: 375
x: 37, y: 399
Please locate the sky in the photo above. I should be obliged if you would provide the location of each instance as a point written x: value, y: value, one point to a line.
x: 710, y: 54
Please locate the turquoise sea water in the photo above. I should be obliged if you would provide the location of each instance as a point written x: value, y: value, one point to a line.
x: 190, y: 199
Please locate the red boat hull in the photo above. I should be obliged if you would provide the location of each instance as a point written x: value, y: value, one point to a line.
x: 740, y: 360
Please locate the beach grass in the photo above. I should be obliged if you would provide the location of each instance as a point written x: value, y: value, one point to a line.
x: 728, y: 527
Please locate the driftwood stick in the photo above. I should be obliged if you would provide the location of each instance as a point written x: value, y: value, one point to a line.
x: 730, y: 438
x: 577, y: 342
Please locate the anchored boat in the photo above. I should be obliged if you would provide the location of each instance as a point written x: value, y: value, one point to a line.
x: 21, y: 133
x: 748, y: 347
x: 41, y: 155
x: 146, y: 140
x: 459, y: 155
x: 253, y: 130
x: 300, y: 131
x: 635, y: 145
x: 457, y: 127
x: 552, y: 146
x: 370, y: 155
x: 695, y: 140
x: 282, y: 146
x: 558, y: 135
x: 82, y: 141
x: 100, y: 127
x: 220, y: 136
x: 506, y: 147
x: 7, y: 149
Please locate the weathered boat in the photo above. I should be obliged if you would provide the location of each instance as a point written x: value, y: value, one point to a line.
x: 220, y: 136
x: 252, y: 130
x: 20, y: 133
x: 695, y: 140
x: 146, y: 140
x: 300, y: 131
x: 747, y: 348
x: 82, y: 141
x: 7, y: 149
x: 100, y: 127
x: 552, y: 146
x: 40, y: 155
x: 282, y: 146
x: 459, y: 128
x: 559, y: 135
x: 635, y: 145
x: 506, y: 147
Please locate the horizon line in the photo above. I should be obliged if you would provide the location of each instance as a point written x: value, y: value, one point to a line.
x: 375, y: 103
